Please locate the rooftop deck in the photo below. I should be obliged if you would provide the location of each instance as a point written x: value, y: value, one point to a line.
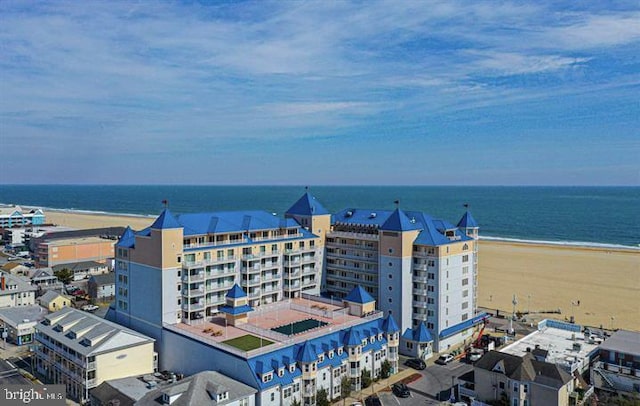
x: 565, y: 347
x: 262, y: 320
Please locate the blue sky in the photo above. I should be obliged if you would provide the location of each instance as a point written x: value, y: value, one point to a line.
x: 284, y: 92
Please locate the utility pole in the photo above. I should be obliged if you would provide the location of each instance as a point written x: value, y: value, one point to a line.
x: 513, y: 315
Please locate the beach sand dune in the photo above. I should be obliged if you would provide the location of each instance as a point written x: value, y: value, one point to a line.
x: 544, y: 277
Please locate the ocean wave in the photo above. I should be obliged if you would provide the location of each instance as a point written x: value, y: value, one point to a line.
x: 562, y: 243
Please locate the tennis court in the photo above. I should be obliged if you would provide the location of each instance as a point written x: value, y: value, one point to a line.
x: 298, y: 327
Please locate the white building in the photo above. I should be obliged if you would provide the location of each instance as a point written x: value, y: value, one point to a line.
x: 16, y: 291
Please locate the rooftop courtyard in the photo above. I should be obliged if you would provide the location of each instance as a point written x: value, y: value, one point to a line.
x: 275, y: 325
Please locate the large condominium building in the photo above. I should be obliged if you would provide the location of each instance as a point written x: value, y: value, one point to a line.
x: 80, y: 350
x: 420, y: 269
x: 14, y: 216
x: 180, y: 268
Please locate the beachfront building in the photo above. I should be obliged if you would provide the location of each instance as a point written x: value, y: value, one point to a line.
x: 189, y: 262
x: 15, y: 216
x: 617, y: 368
x: 80, y: 350
x: 16, y: 291
x: 420, y: 269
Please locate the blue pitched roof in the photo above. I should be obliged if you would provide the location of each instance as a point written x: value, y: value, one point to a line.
x: 398, y: 221
x: 389, y: 325
x: 433, y: 230
x: 467, y: 220
x: 421, y: 334
x: 359, y: 295
x: 165, y: 220
x: 307, y: 205
x: 236, y: 292
x: 236, y: 310
x: 330, y: 341
x: 232, y: 221
x: 306, y: 354
x: 127, y: 239
x: 361, y: 216
x: 351, y: 338
x: 464, y: 325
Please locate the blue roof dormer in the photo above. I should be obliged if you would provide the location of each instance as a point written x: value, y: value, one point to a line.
x: 398, y: 221
x: 127, y: 239
x: 236, y: 292
x: 351, y: 338
x: 467, y: 221
x: 306, y: 354
x: 165, y: 220
x: 307, y: 205
x: 359, y: 295
x: 389, y: 325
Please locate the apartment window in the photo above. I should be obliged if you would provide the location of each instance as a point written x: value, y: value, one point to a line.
x: 501, y: 385
x: 515, y: 386
x: 465, y: 270
x: 431, y: 275
x: 465, y: 281
x: 430, y: 288
x: 312, y: 243
x: 465, y: 293
x: 516, y: 402
x: 287, y: 393
x: 465, y: 317
x: 525, y: 388
x: 465, y: 305
x: 273, y: 397
x: 431, y: 263
x: 430, y: 326
x: 465, y: 258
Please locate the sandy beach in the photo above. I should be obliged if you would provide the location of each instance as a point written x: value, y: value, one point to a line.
x: 543, y: 277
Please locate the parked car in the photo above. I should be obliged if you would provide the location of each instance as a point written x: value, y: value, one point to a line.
x: 90, y: 308
x: 444, y: 359
x: 70, y: 288
x: 475, y: 354
x: 416, y: 363
x: 372, y: 400
x: 79, y: 292
x: 400, y: 390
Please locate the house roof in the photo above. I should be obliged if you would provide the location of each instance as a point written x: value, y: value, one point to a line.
x: 18, y: 315
x: 359, y: 295
x: 165, y: 220
x: 524, y: 368
x: 307, y: 205
x: 623, y: 341
x: 91, y: 334
x: 49, y: 296
x: 232, y: 221
x: 200, y: 389
x: 108, y: 395
x: 78, y: 266
x: 236, y: 310
x: 104, y: 279
x: 467, y: 221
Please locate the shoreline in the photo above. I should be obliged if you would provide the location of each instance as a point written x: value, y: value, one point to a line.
x: 483, y: 239
x: 605, y: 280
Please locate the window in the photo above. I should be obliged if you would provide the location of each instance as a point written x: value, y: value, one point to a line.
x: 525, y: 388
x: 273, y: 397
x: 515, y: 386
x: 465, y: 282
x: 287, y: 393
x: 501, y: 385
x: 465, y: 258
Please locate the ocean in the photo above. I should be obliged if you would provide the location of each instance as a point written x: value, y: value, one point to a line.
x: 607, y: 216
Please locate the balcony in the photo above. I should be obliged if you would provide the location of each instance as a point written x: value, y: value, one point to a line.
x: 209, y: 261
x: 354, y: 236
x: 293, y: 286
x: 193, y: 277
x: 420, y: 303
x: 419, y: 291
x: 254, y: 293
x: 220, y: 286
x: 250, y: 282
x: 193, y: 292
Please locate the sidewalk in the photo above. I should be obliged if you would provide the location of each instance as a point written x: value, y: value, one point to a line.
x: 376, y: 387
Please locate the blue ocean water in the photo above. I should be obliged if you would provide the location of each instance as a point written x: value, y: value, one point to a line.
x: 595, y: 215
